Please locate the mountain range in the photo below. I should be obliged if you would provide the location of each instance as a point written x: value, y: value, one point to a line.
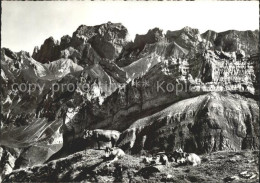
x: 198, y: 91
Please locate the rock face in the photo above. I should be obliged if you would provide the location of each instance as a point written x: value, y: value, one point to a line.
x: 207, y: 123
x: 36, y: 78
x: 228, y: 69
x: 160, y: 91
x: 36, y: 138
x: 92, y: 47
x: 132, y: 50
x: 187, y: 38
x: 7, y: 161
x: 49, y: 51
x: 167, y: 82
x: 232, y: 40
x: 106, y: 39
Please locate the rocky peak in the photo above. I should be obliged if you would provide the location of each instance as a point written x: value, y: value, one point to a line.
x: 14, y: 55
x: 49, y: 51
x: 152, y: 36
x: 84, y: 30
x: 186, y: 33
x: 132, y: 50
x: 114, y: 28
x: 209, y: 35
x: 36, y: 50
x: 107, y: 30
x: 51, y: 41
x: 23, y: 54
x: 65, y: 41
x: 108, y: 40
x: 190, y: 30
x: 8, y: 53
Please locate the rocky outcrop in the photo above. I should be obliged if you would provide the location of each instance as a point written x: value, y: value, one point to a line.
x: 226, y: 69
x: 26, y: 82
x: 92, y: 47
x: 86, y: 166
x: 187, y: 42
x: 211, y: 122
x: 7, y: 161
x: 131, y: 52
x: 170, y: 81
x: 109, y: 40
x: 254, y: 61
x: 232, y: 40
x: 106, y: 39
x: 187, y: 37
x: 49, y: 51
x: 23, y: 122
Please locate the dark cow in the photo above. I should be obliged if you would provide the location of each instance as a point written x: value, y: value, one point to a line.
x: 182, y: 157
x: 100, y: 135
x: 175, y: 155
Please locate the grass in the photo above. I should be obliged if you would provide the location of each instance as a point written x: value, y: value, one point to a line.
x: 90, y: 166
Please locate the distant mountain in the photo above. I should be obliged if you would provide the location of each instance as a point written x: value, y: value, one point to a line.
x: 106, y: 39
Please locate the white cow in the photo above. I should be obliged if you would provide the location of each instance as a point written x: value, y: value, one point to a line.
x: 193, y: 158
x: 114, y: 153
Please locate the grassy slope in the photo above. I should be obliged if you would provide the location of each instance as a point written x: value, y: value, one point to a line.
x: 89, y: 166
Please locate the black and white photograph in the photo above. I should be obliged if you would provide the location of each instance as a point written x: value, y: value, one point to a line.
x: 129, y: 91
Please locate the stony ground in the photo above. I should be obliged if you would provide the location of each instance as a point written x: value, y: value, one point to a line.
x: 89, y: 166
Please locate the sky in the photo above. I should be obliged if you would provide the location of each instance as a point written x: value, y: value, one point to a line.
x: 27, y: 24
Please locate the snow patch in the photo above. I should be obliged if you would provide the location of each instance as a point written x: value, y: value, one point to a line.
x: 8, y: 100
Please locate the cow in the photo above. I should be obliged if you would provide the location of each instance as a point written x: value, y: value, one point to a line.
x: 147, y: 160
x: 102, y: 135
x: 114, y: 154
x: 163, y: 159
x: 160, y: 158
x: 192, y: 158
x: 155, y: 160
x: 175, y: 155
x: 183, y: 157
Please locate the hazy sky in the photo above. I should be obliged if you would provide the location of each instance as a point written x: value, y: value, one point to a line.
x: 28, y: 24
